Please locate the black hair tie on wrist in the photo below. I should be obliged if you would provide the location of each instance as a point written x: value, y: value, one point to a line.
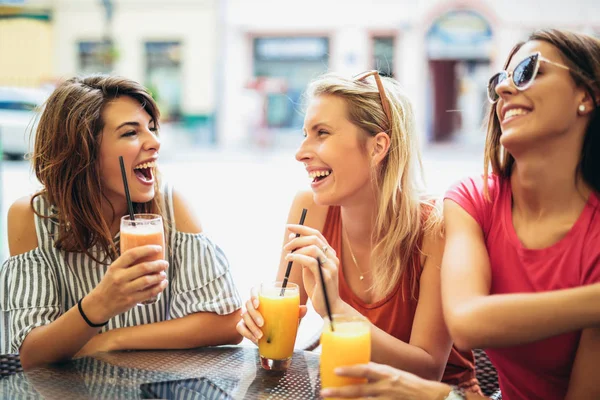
x: 90, y: 323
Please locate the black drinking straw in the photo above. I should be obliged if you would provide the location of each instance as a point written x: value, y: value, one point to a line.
x: 124, y: 175
x: 325, y: 295
x: 289, y: 266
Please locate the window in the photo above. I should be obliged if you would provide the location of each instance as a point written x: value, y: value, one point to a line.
x: 383, y: 55
x: 96, y: 57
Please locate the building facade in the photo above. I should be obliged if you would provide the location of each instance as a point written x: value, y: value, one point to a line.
x: 442, y: 52
x: 169, y: 46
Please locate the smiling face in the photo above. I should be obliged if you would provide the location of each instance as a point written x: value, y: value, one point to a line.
x: 544, y: 111
x: 335, y: 153
x: 129, y: 131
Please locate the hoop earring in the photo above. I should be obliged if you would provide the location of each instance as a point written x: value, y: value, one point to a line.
x: 581, y: 108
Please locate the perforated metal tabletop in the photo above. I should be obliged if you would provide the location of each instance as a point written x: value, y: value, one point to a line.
x: 123, y: 375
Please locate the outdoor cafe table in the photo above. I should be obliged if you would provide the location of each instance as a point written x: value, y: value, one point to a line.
x: 118, y: 375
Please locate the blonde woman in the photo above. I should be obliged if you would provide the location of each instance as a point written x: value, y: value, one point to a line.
x: 378, y: 236
x: 521, y: 270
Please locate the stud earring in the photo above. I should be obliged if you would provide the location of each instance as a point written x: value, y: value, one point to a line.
x: 581, y: 108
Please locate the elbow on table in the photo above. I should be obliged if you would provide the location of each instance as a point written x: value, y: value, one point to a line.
x: 29, y: 362
x: 230, y: 333
x: 236, y: 338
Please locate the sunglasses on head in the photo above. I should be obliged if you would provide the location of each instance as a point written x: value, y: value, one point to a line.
x: 522, y: 75
x: 380, y: 89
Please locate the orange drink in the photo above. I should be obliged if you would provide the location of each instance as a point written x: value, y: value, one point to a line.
x: 348, y: 344
x: 281, y: 315
x: 145, y: 229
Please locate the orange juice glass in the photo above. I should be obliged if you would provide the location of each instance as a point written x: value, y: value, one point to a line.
x: 281, y: 315
x: 348, y: 344
x: 144, y: 229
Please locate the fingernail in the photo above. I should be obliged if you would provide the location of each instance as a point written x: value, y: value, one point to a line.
x: 325, y: 393
x: 292, y: 235
x: 258, y: 334
x: 289, y: 256
x: 259, y: 321
x: 164, y: 283
x: 163, y: 274
x: 255, y: 303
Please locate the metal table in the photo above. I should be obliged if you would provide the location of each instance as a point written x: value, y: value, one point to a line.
x: 232, y: 369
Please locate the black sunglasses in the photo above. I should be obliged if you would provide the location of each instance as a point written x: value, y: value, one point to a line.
x: 522, y: 75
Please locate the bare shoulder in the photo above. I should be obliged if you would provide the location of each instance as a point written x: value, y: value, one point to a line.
x: 185, y: 219
x: 315, y: 214
x: 22, y: 236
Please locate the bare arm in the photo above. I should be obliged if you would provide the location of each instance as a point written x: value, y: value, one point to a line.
x: 385, y: 382
x: 180, y: 333
x: 585, y: 376
x: 477, y: 319
x: 430, y: 343
x: 427, y: 352
x: 70, y: 326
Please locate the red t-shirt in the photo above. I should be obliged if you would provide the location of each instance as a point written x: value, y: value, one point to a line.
x: 539, y: 370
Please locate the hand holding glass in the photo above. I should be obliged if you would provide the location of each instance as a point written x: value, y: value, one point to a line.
x: 348, y: 344
x: 143, y: 230
x: 281, y: 316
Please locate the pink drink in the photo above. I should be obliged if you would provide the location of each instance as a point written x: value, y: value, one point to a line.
x: 145, y: 229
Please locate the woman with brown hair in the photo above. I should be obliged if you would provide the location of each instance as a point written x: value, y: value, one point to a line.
x: 66, y: 279
x: 378, y: 236
x: 521, y: 265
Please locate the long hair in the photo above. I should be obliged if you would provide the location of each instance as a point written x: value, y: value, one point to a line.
x: 66, y: 160
x: 582, y: 55
x: 400, y: 222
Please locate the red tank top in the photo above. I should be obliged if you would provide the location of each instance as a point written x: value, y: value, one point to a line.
x: 395, y: 313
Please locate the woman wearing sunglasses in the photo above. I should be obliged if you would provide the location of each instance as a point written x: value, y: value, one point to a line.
x: 378, y: 238
x: 522, y: 249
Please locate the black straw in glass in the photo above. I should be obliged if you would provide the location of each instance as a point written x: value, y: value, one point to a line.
x: 289, y: 266
x: 327, y: 306
x: 126, y: 186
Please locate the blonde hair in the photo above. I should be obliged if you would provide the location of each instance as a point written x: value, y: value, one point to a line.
x: 582, y: 55
x: 404, y: 214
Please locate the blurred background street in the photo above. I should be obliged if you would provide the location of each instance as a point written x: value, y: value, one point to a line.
x: 229, y: 76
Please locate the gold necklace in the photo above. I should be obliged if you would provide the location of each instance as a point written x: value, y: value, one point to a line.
x: 361, y: 275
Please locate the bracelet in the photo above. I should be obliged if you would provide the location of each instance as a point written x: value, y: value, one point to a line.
x: 90, y: 323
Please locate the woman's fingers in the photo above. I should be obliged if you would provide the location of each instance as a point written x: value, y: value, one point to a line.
x: 304, y: 230
x: 150, y: 292
x: 369, y: 371
x: 253, y: 319
x: 305, y: 241
x: 308, y: 256
x: 245, y: 332
x: 146, y: 281
x: 134, y: 255
x: 352, y: 391
x: 140, y: 270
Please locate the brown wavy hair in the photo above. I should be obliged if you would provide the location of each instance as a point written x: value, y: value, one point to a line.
x: 65, y: 160
x: 582, y: 55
